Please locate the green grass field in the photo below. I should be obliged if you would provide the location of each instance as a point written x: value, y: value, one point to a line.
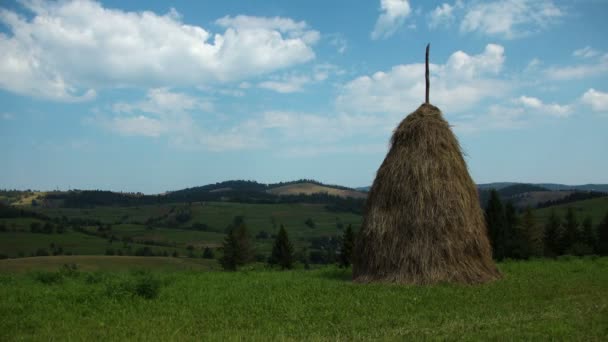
x: 535, y: 300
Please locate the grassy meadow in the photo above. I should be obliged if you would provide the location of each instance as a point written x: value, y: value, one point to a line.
x: 565, y: 299
x: 131, y: 223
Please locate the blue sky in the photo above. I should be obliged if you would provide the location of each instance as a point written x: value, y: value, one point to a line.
x: 154, y: 96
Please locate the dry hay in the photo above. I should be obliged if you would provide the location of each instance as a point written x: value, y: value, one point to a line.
x: 422, y: 222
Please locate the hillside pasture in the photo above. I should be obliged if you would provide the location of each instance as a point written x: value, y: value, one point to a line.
x: 596, y: 208
x: 311, y: 188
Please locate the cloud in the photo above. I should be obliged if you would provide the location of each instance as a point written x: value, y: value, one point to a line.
x: 586, y: 52
x: 459, y: 84
x: 594, y: 68
x: 496, y: 117
x: 597, y: 100
x: 393, y: 14
x: 136, y: 126
x: 286, y: 84
x: 162, y: 101
x: 295, y: 82
x: 7, y: 116
x: 443, y: 15
x: 552, y: 109
x: 67, y: 50
x: 338, y: 41
x: 510, y: 18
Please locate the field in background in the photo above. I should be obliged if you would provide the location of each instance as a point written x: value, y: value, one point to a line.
x: 106, y: 263
x: 153, y: 226
x: 311, y: 188
x: 537, y: 300
x: 132, y: 224
x: 596, y: 208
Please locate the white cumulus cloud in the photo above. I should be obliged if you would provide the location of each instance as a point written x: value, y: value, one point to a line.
x: 510, y: 18
x: 392, y: 17
x: 67, y: 50
x: 597, y: 100
x: 463, y: 81
x: 443, y: 15
x: 552, y: 109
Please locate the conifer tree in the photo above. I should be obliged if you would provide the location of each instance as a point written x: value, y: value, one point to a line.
x: 282, y: 251
x: 513, y: 240
x: 602, y: 237
x: 587, y: 234
x: 552, y: 235
x: 237, y: 248
x: 348, y: 242
x: 571, y: 233
x: 495, y: 221
x: 531, y: 235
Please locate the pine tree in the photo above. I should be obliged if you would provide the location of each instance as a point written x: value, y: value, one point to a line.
x: 588, y: 235
x: 282, y: 251
x: 571, y: 234
x: 348, y: 242
x: 552, y: 235
x: 495, y: 220
x: 237, y: 248
x: 531, y: 235
x: 514, y: 242
x: 602, y: 237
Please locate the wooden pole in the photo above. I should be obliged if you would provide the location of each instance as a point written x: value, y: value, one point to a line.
x: 427, y: 73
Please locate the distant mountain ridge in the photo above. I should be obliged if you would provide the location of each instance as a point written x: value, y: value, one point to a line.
x: 547, y: 186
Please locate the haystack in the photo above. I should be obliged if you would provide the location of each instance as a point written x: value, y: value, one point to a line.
x: 422, y: 222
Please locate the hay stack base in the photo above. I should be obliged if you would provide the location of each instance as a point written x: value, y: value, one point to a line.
x: 422, y: 222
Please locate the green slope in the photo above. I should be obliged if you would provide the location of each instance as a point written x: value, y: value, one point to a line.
x: 596, y: 208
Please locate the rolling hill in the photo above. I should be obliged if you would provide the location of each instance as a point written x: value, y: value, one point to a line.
x: 314, y: 188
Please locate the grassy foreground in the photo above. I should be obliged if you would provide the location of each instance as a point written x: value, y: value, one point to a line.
x: 565, y: 300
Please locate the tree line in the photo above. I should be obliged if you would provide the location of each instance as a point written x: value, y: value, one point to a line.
x: 520, y: 236
x: 238, y: 249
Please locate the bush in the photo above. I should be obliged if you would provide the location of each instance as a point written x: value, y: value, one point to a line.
x: 208, y: 253
x: 139, y: 284
x: 48, y: 278
x: 42, y: 252
x: 147, y: 286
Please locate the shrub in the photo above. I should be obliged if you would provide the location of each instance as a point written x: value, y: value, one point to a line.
x: 48, y: 278
x: 147, y: 286
x: 139, y: 284
x: 42, y: 252
x: 208, y: 253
